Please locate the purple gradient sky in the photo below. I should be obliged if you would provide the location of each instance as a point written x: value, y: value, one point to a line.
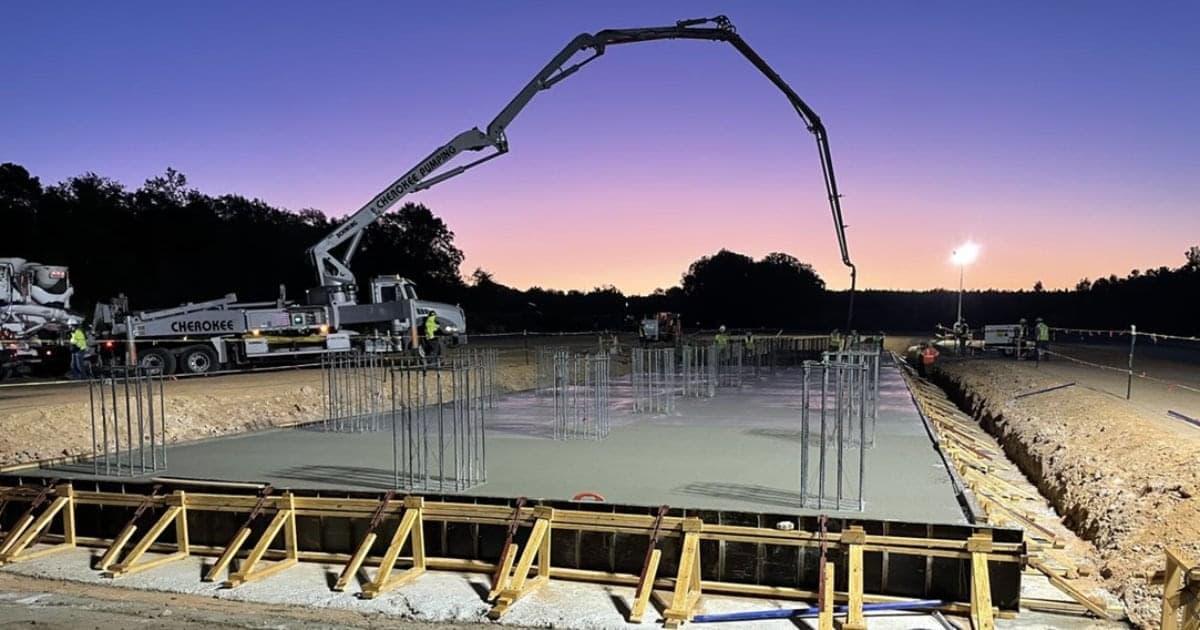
x: 1064, y: 136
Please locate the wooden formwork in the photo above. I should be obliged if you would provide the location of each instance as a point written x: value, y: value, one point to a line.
x: 1181, y: 592
x: 976, y: 570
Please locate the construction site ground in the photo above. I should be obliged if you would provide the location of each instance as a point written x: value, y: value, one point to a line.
x: 61, y: 590
x: 1113, y: 469
x: 1121, y: 473
x: 738, y: 450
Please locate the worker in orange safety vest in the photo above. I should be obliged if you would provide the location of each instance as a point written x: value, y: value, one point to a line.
x: 928, y: 356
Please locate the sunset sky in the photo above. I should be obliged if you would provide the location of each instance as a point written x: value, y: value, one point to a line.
x: 1064, y: 137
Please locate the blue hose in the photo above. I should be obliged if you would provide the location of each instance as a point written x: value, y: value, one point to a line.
x: 809, y: 612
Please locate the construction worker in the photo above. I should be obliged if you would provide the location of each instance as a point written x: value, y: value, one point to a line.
x: 835, y: 340
x: 961, y: 333
x: 79, y: 348
x: 928, y: 356
x: 721, y: 339
x: 1042, y: 333
x: 432, y: 348
x: 1022, y: 334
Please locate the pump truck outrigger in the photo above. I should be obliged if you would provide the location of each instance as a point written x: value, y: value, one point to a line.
x: 390, y: 318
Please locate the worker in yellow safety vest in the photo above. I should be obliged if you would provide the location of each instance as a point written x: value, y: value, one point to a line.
x: 722, y: 341
x: 1042, y: 333
x: 79, y: 347
x: 432, y: 348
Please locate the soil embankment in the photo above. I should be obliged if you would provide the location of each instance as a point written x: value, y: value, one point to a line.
x: 1122, y: 481
x: 50, y: 422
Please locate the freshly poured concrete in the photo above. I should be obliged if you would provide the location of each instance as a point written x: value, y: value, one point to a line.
x: 737, y: 451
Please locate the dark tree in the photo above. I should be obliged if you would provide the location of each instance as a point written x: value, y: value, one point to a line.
x: 731, y: 288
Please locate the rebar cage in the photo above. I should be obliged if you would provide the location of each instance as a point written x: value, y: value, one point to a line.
x: 837, y: 420
x: 435, y: 409
x: 438, y: 425
x: 652, y: 374
x: 581, y: 396
x: 128, y: 414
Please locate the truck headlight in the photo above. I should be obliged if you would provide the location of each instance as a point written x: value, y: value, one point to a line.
x: 450, y: 329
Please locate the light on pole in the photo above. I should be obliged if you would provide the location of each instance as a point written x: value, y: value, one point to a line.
x: 962, y: 256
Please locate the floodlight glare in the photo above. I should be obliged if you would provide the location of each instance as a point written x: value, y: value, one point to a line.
x: 965, y: 254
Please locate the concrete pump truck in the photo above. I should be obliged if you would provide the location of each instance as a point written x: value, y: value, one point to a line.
x: 200, y: 337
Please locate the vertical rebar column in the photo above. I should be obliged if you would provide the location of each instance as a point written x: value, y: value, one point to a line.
x: 162, y: 417
x: 141, y: 423
x: 824, y: 435
x: 149, y: 378
x: 804, y: 417
x: 92, y: 411
x: 843, y: 413
x: 862, y: 435
x: 104, y: 424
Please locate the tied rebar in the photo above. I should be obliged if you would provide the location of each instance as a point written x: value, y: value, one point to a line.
x: 833, y: 421
x: 438, y: 410
x: 128, y: 421
x: 544, y: 368
x: 653, y: 376
x: 581, y: 396
x: 766, y: 355
x: 869, y: 359
x: 698, y: 371
x: 729, y: 363
x: 354, y: 392
x: 435, y: 408
x: 488, y: 359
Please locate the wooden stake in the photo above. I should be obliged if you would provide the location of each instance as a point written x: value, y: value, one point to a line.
x: 825, y: 615
x: 364, y: 547
x: 285, y: 519
x: 687, y: 580
x: 645, y: 587
x: 854, y: 537
x: 981, y: 590
x: 411, y: 526
x: 1181, y: 593
x: 19, y: 539
x: 641, y: 596
x: 538, y: 547
x: 176, y: 513
x: 239, y: 538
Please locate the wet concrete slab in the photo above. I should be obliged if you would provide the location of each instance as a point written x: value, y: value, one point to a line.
x: 739, y: 450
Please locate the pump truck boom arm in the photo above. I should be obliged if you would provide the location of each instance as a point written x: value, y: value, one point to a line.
x: 332, y: 270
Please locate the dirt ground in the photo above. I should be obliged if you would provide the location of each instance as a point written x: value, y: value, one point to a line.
x: 1165, y: 378
x: 27, y: 602
x: 1123, y: 476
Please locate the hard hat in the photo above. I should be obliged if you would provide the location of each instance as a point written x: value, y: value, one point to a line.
x: 1039, y: 319
x: 722, y: 328
x: 1023, y: 320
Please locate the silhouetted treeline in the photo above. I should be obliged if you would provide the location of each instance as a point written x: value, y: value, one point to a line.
x: 165, y: 243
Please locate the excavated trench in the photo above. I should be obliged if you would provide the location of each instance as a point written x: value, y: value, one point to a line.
x: 1118, y: 483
